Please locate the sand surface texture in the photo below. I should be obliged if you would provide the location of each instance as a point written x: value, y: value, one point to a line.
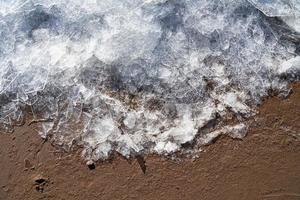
x: 264, y: 165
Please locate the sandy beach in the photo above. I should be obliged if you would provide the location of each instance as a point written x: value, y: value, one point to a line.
x: 264, y: 165
x: 149, y: 99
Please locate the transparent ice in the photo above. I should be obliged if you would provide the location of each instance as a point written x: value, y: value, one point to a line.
x: 143, y: 76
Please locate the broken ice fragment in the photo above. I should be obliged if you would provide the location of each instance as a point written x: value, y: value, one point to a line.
x: 142, y: 76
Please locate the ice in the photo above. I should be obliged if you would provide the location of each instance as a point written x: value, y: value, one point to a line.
x: 287, y: 10
x: 290, y: 66
x: 144, y: 76
x: 237, y: 131
x: 277, y: 8
x: 234, y: 100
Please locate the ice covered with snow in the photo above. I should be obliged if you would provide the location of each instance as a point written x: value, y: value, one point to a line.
x: 143, y: 76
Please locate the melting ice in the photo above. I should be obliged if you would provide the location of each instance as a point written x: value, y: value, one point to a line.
x: 143, y: 76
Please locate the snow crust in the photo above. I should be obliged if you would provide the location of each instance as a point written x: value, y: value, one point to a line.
x: 143, y: 76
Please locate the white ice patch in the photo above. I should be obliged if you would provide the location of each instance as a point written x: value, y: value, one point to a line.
x: 142, y: 76
x: 290, y: 65
x: 237, y: 131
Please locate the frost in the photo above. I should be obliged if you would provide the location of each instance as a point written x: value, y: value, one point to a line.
x: 142, y: 76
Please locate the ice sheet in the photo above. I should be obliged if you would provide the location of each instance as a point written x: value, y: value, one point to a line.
x: 142, y: 76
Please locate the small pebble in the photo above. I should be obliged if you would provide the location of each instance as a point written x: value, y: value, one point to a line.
x: 91, y: 165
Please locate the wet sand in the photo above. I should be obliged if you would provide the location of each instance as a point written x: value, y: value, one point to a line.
x: 264, y: 165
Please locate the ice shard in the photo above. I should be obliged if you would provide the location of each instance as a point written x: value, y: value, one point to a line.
x: 142, y: 76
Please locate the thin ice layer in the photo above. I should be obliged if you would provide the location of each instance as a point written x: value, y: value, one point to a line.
x: 140, y: 76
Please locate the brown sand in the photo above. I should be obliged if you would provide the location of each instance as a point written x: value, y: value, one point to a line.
x: 265, y: 165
